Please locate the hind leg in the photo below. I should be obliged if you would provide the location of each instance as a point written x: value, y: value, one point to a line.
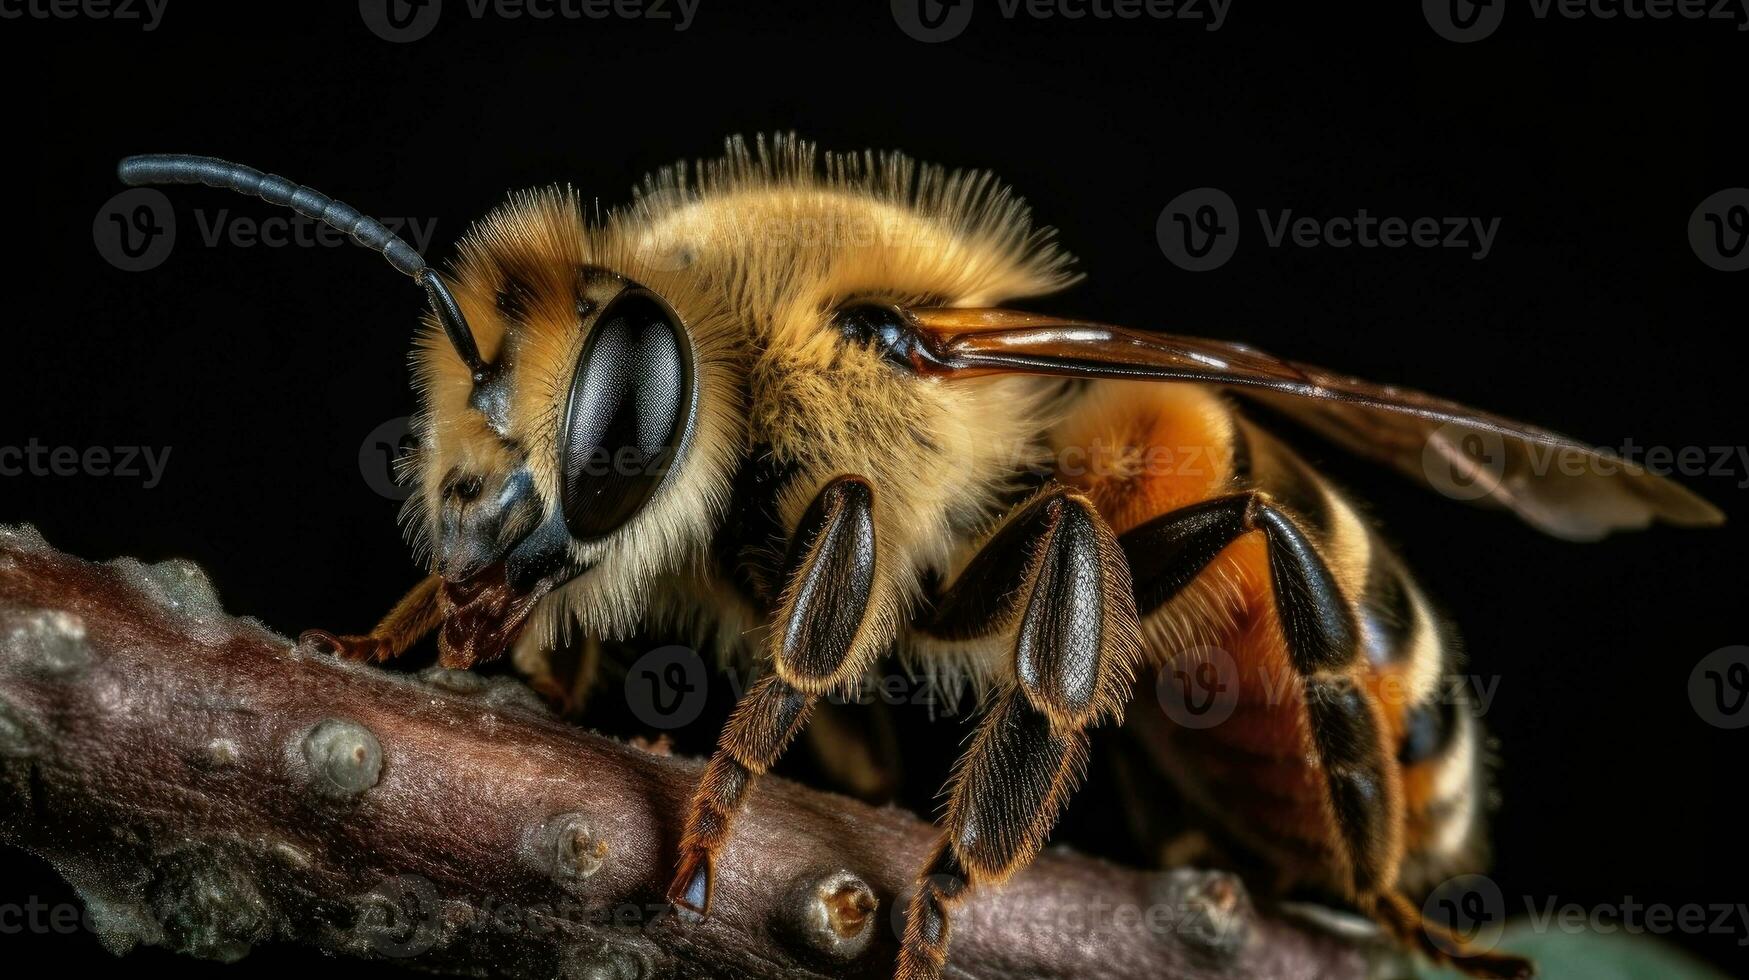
x: 1347, y: 725
x: 1402, y: 919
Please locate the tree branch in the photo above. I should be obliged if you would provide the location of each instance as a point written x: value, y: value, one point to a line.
x: 207, y: 786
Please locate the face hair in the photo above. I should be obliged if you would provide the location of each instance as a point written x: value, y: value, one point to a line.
x: 181, y: 168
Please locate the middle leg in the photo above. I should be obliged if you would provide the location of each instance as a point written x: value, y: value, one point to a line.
x: 1052, y: 579
x: 820, y: 639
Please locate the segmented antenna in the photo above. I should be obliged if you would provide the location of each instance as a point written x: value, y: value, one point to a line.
x: 180, y: 168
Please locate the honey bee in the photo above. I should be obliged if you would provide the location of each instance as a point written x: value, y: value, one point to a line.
x: 776, y: 400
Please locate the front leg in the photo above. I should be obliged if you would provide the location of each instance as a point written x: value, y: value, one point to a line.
x: 822, y: 636
x: 417, y: 614
x: 1054, y: 581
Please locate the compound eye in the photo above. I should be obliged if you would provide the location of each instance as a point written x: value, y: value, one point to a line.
x: 627, y: 415
x: 881, y: 328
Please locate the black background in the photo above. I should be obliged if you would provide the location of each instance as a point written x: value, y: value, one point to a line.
x: 1593, y: 141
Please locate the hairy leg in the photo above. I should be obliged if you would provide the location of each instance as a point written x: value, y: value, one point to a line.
x: 416, y: 615
x: 1053, y: 582
x: 818, y: 640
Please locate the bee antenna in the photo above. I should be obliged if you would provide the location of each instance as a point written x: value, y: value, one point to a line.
x: 181, y: 168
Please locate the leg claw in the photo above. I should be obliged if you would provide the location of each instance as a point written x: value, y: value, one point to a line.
x: 356, y: 648
x: 693, y: 882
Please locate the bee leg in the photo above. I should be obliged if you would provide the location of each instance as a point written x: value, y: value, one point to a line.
x: 1053, y: 575
x: 416, y: 615
x: 562, y: 676
x: 1402, y: 919
x: 1321, y: 635
x: 817, y: 641
x: 857, y: 747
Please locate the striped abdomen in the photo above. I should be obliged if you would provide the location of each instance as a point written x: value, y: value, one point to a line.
x: 1305, y: 700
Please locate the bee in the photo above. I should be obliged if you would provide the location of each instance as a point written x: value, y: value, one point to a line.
x: 778, y: 400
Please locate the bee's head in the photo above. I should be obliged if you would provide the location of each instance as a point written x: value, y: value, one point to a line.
x: 560, y: 403
x: 529, y: 454
x: 568, y: 448
x: 532, y: 466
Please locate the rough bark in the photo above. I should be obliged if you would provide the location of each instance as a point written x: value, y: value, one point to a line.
x: 208, y: 786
